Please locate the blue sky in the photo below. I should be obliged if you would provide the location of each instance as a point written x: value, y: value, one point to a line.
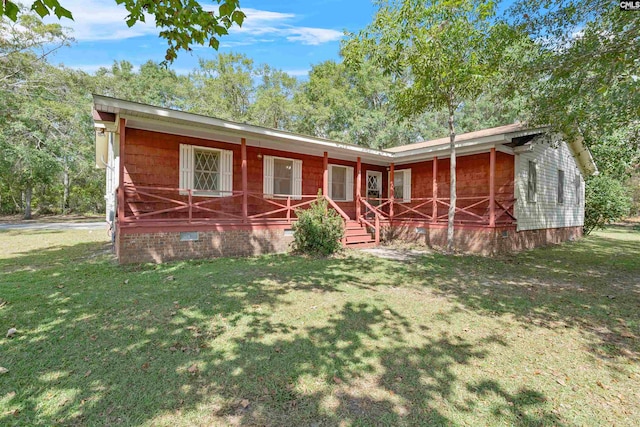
x: 289, y: 35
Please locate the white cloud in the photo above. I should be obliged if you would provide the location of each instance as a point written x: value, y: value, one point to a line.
x: 96, y: 20
x: 260, y: 22
x: 313, y: 36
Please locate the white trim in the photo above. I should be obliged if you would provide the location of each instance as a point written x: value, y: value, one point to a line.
x: 268, y: 178
x: 142, y: 116
x: 380, y: 184
x: 406, y: 183
x: 348, y: 185
x: 187, y: 170
x: 536, y: 183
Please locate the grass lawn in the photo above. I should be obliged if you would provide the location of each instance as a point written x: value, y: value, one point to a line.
x: 547, y: 337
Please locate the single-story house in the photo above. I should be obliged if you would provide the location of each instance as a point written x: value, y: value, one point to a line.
x: 182, y: 185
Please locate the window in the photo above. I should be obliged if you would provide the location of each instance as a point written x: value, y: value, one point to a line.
x: 282, y: 177
x: 578, y: 189
x: 560, y: 186
x: 206, y: 171
x: 402, y: 185
x: 532, y: 182
x: 341, y: 183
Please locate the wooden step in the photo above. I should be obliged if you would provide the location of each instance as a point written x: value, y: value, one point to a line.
x: 364, y: 238
x: 355, y: 231
x: 361, y: 245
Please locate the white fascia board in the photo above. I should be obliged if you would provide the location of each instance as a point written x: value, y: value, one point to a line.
x: 430, y: 152
x: 583, y: 158
x: 528, y: 132
x: 231, y: 137
x: 445, y: 154
x: 127, y: 108
x: 505, y: 149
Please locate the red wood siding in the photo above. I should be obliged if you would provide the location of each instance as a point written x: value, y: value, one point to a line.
x: 152, y: 159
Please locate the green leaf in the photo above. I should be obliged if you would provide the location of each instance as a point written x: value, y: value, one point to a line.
x: 61, y: 12
x: 225, y: 9
x: 11, y: 10
x: 39, y: 8
x: 214, y: 43
x: 238, y: 17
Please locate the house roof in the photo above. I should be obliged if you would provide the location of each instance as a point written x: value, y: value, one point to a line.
x: 107, y: 110
x: 459, y: 138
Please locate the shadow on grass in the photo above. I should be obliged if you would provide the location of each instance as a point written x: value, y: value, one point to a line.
x: 593, y: 285
x: 226, y: 341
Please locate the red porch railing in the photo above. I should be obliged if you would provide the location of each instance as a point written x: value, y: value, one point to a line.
x: 469, y: 210
x: 144, y: 205
x: 154, y: 205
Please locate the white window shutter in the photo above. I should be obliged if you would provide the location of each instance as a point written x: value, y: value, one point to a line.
x: 297, y: 179
x: 226, y: 172
x: 407, y: 186
x: 330, y: 195
x: 349, y: 184
x: 186, y: 168
x: 267, y: 187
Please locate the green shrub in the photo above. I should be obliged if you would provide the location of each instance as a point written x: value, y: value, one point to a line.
x: 318, y: 230
x: 606, y: 201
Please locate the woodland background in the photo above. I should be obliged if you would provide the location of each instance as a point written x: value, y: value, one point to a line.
x: 578, y: 70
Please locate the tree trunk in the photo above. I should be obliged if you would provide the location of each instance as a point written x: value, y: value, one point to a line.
x: 452, y: 186
x: 66, y: 183
x: 27, y: 202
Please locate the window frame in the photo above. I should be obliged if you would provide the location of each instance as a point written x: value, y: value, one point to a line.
x: 560, y: 193
x: 532, y: 196
x: 199, y: 191
x: 188, y: 166
x: 282, y: 195
x: 405, y: 198
x: 348, y: 183
x: 296, y: 181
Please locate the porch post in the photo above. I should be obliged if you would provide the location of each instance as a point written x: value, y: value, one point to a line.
x: 392, y: 189
x: 245, y: 197
x: 434, y: 211
x: 121, y: 172
x: 325, y: 175
x: 358, y: 185
x: 492, y: 187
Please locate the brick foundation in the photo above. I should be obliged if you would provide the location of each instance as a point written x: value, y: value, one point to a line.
x: 166, y: 246
x: 482, y: 241
x: 139, y: 247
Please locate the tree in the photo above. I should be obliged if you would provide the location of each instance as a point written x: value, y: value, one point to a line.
x: 274, y: 105
x: 440, y: 53
x: 607, y: 200
x: 223, y: 87
x: 24, y: 45
x: 27, y: 150
x: 152, y: 84
x: 182, y: 22
x: 352, y: 104
x: 583, y: 80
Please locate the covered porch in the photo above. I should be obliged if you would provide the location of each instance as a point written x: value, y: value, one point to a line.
x: 157, y: 208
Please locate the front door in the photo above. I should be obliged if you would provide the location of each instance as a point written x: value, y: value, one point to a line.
x: 374, y: 187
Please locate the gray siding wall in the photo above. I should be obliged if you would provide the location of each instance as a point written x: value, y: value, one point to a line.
x: 545, y: 211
